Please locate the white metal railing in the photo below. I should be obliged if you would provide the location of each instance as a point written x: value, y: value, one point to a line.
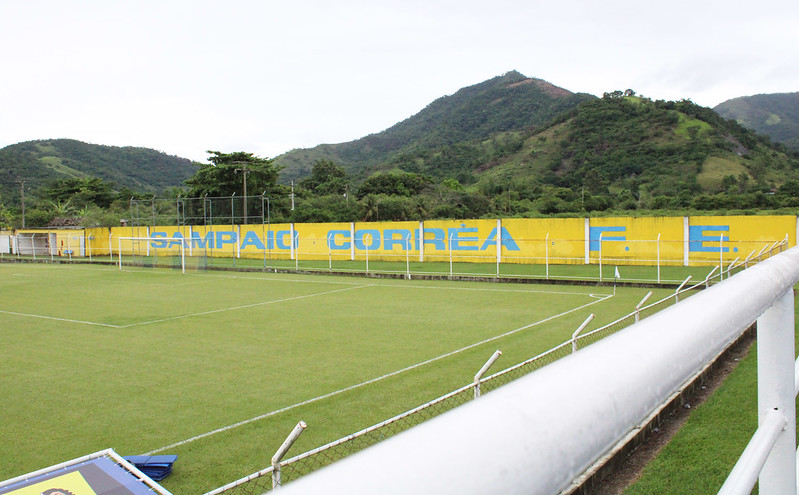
x: 354, y: 442
x: 539, y: 432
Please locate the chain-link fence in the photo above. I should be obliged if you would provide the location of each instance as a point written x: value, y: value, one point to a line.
x: 207, y: 210
x: 295, y: 467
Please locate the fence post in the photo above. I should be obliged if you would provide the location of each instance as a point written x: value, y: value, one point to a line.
x: 746, y: 261
x: 546, y: 253
x: 658, y: 257
x: 366, y: 249
x: 408, y: 256
x: 293, y: 436
x: 483, y: 371
x: 638, y: 306
x: 450, y: 255
x: 721, y: 257
x: 677, y: 292
x: 580, y: 329
x: 731, y: 266
x: 600, y: 256
x: 707, y: 279
x: 775, y: 371
x: 499, y: 244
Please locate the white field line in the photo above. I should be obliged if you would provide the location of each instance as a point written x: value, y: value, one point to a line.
x: 481, y: 289
x: 245, y: 306
x: 190, y: 315
x: 374, y: 380
x: 28, y: 315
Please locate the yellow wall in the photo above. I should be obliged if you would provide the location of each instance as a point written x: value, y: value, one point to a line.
x: 625, y: 240
x: 561, y: 240
x: 742, y: 236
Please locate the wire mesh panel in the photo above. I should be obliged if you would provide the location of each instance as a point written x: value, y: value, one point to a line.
x: 312, y: 460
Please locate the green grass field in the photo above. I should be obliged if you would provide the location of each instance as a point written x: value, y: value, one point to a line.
x: 141, y: 359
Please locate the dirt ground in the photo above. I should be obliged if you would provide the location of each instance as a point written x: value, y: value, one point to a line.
x: 632, y: 468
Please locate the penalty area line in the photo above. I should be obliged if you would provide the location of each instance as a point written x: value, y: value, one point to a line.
x: 245, y: 306
x: 28, y: 315
x: 373, y: 380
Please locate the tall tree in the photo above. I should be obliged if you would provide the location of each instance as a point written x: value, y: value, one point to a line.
x: 225, y: 175
x: 326, y: 178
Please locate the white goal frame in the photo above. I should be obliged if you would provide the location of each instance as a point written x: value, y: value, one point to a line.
x: 183, y: 243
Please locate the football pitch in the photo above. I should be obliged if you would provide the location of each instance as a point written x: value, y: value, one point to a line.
x: 218, y: 367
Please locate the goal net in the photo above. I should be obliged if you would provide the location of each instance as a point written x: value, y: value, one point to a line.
x: 153, y: 252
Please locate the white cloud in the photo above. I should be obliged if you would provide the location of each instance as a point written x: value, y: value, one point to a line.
x: 268, y: 76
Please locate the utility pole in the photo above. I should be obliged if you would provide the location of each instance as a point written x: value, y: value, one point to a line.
x: 22, y: 197
x: 292, y: 195
x: 244, y: 172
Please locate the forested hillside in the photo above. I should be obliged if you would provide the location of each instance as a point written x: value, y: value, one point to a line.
x: 776, y: 115
x: 40, y: 163
x: 508, y: 147
x: 618, y: 154
x: 627, y: 152
x: 510, y: 102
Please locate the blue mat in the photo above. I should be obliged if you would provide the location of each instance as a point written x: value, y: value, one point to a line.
x: 156, y: 467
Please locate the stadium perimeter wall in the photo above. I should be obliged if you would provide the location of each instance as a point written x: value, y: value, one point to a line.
x: 682, y: 241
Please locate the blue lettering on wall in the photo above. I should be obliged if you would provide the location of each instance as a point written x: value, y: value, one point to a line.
x: 456, y: 237
x: 697, y: 238
x: 507, y: 240
x: 400, y: 237
x: 331, y: 239
x: 252, y: 239
x: 225, y: 237
x: 158, y: 244
x: 439, y: 238
x: 372, y: 236
x: 177, y: 240
x: 202, y: 242
x: 280, y: 235
x: 595, y: 232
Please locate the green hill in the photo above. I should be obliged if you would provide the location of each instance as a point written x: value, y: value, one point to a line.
x: 642, y: 154
x: 775, y: 115
x: 39, y: 163
x: 510, y: 102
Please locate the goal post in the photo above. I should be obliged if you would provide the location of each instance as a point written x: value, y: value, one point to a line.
x: 152, y: 251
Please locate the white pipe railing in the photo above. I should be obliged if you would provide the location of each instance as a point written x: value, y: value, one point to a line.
x: 744, y: 475
x: 539, y: 432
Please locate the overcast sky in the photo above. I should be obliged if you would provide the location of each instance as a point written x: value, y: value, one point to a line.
x: 268, y: 76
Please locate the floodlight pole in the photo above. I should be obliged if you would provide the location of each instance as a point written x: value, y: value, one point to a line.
x: 22, y: 199
x: 244, y: 170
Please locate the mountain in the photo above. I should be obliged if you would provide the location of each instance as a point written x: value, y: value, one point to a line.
x: 39, y: 163
x: 775, y: 115
x: 655, y: 154
x: 510, y: 102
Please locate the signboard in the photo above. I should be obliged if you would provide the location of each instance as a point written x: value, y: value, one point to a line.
x: 98, y: 474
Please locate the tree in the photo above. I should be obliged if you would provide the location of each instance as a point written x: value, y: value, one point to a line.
x: 225, y: 175
x: 81, y: 192
x: 326, y: 178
